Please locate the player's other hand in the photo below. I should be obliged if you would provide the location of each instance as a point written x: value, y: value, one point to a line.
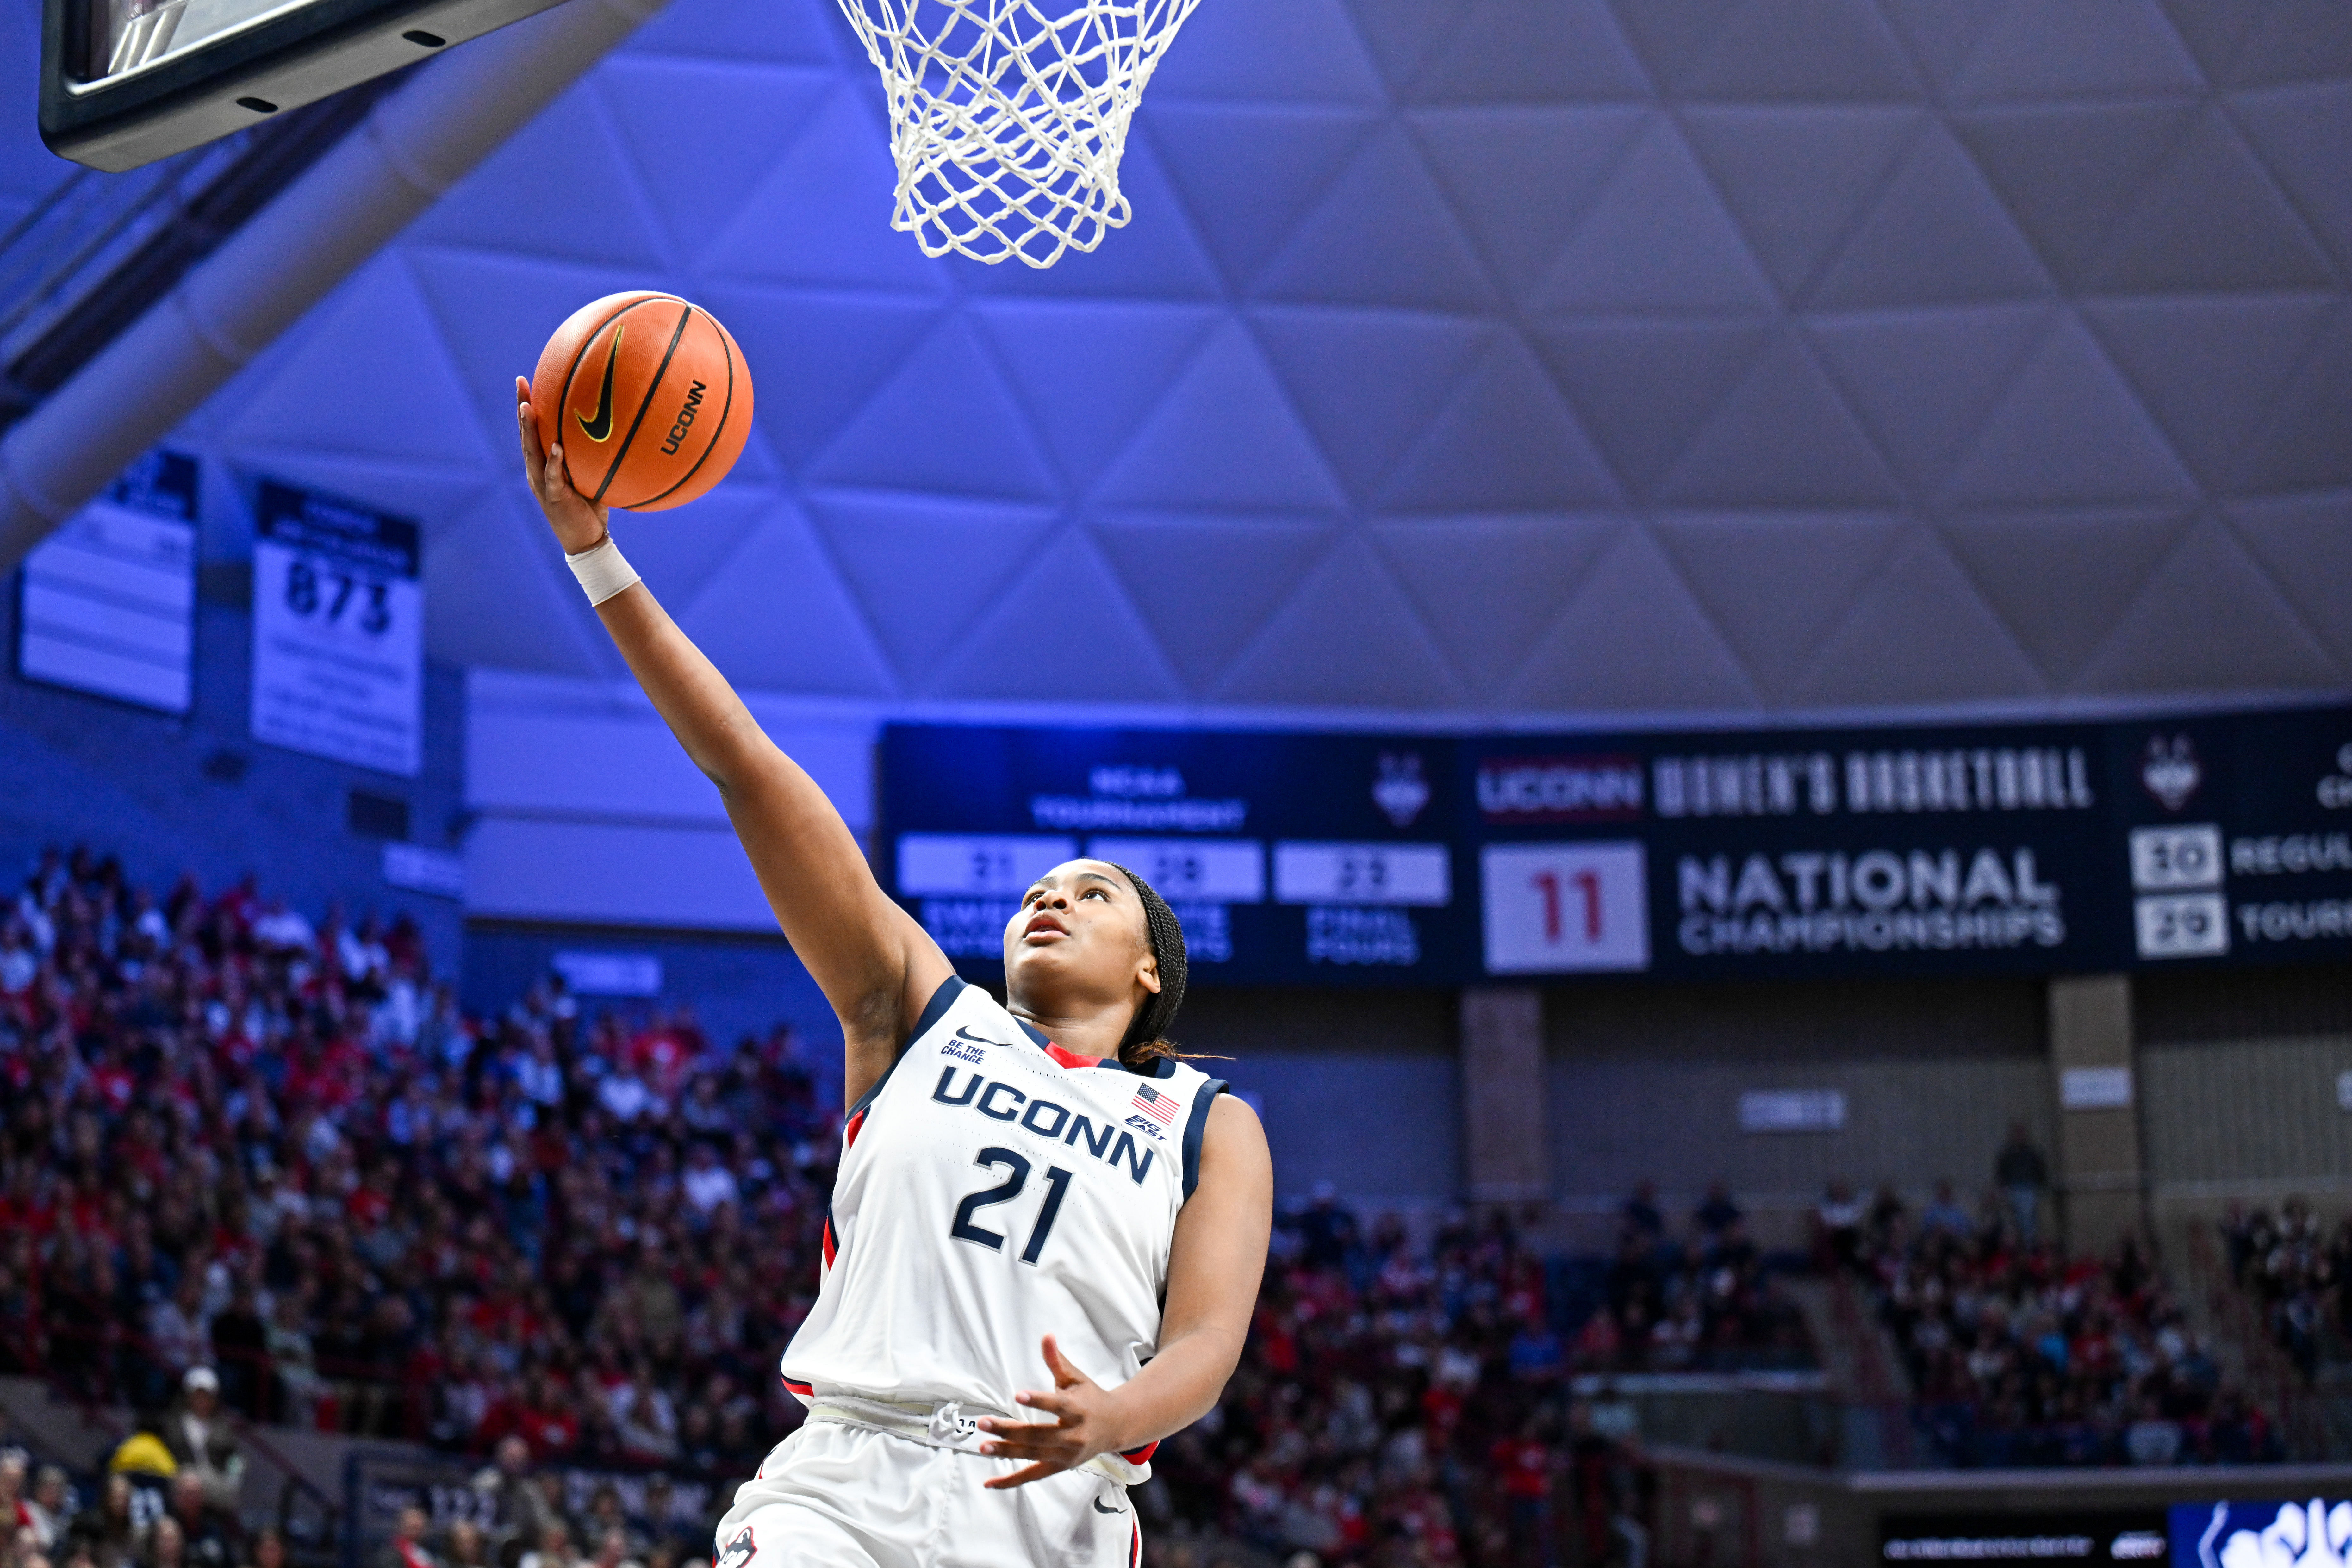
x: 579, y: 523
x: 1085, y: 1415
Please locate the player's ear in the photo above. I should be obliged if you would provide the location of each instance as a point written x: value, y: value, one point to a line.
x: 1148, y: 972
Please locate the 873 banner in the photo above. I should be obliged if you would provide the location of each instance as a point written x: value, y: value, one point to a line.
x: 338, y: 631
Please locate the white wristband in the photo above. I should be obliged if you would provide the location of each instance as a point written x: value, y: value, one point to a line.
x: 603, y: 570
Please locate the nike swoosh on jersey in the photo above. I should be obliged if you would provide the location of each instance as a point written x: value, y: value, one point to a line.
x: 600, y: 427
x: 1099, y: 1508
x: 968, y: 1037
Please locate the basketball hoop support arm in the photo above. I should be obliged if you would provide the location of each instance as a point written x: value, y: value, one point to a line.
x: 347, y: 207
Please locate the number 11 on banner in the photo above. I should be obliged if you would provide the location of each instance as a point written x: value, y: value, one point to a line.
x: 1555, y: 908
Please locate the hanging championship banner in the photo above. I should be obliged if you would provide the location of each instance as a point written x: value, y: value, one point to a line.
x: 107, y: 603
x: 338, y: 631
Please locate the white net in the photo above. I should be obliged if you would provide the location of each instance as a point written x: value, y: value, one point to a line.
x: 1006, y: 122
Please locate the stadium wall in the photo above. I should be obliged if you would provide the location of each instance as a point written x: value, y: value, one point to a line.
x: 198, y: 794
x: 1645, y: 1081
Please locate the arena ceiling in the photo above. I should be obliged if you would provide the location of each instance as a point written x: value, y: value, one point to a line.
x: 1465, y: 359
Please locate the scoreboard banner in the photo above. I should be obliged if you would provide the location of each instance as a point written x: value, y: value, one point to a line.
x: 2016, y: 849
x: 1309, y: 858
x: 338, y: 631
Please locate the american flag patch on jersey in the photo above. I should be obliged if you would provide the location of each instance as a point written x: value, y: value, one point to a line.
x: 1160, y: 1107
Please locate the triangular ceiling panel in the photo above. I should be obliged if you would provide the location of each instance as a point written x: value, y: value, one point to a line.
x: 1403, y: 35
x: 1919, y: 632
x: 1520, y: 178
x: 2215, y: 30
x: 2305, y: 439
x: 2210, y: 367
x: 1505, y: 441
x: 1814, y: 51
x: 778, y: 618
x: 1383, y: 202
x: 2069, y: 426
x: 2059, y: 581
x: 1348, y: 606
x: 817, y: 357
x: 1205, y: 584
x: 1088, y: 373
x: 2301, y: 133
x: 927, y: 564
x: 1783, y: 437
x: 1672, y: 36
x: 839, y: 167
x: 411, y: 407
x: 1246, y: 173
x: 1507, y: 52
x: 1631, y: 641
x: 2210, y: 219
x: 2298, y: 40
x: 567, y: 151
x: 783, y: 34
x: 946, y: 421
x: 2304, y: 543
x: 1797, y: 176
x: 1224, y: 436
x: 1641, y: 385
x: 2067, y: 175
x: 1489, y: 587
x: 495, y: 594
x: 1656, y: 239
x: 743, y: 116
x: 2083, y: 48
x: 1777, y: 583
x: 1301, y: 51
x: 1064, y: 632
x: 438, y: 500
x: 1942, y: 33
x: 1938, y: 235
x: 2248, y: 639
x: 682, y: 552
x: 1368, y: 382
x: 1923, y: 382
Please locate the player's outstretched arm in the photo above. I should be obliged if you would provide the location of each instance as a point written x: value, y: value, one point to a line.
x: 874, y: 962
x: 1213, y: 1268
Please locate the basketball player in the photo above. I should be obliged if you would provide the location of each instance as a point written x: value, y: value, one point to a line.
x: 1040, y: 1187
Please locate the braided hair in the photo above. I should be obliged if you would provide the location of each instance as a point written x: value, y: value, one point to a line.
x: 1146, y: 1036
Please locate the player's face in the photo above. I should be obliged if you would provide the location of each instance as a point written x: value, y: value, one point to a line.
x: 1079, y: 940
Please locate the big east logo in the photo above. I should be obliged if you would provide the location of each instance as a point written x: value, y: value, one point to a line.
x: 1561, y: 789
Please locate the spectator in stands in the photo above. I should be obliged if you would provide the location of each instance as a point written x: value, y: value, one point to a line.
x: 207, y: 1534
x: 48, y: 1509
x: 552, y: 1548
x: 1838, y: 1222
x: 1641, y: 1220
x: 144, y: 1456
x: 107, y: 1533
x: 1945, y: 1216
x: 203, y: 1444
x: 2022, y: 1177
x: 166, y: 1545
x: 407, y: 1548
x: 1717, y: 1213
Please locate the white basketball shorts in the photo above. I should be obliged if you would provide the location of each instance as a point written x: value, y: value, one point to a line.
x: 837, y: 1496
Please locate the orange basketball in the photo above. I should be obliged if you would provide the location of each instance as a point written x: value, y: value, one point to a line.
x: 649, y: 396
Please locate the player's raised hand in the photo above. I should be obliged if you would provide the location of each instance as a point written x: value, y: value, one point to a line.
x: 1084, y: 1415
x: 579, y: 524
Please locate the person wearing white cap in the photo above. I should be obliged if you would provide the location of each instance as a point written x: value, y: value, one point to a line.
x: 200, y: 1437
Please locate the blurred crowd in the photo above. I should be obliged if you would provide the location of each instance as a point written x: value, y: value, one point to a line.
x: 1410, y: 1407
x: 238, y: 1139
x: 2295, y: 1267
x: 2021, y: 1354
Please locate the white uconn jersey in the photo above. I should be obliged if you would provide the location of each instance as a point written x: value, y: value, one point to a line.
x: 993, y: 1189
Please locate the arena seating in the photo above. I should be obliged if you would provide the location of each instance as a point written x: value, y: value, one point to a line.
x: 239, y: 1138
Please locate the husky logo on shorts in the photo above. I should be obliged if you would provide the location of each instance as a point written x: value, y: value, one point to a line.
x: 739, y: 1551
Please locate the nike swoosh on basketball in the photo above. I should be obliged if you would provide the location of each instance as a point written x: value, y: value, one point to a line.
x: 600, y: 427
x: 1099, y: 1508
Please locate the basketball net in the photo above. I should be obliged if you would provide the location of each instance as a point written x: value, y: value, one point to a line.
x: 1006, y: 123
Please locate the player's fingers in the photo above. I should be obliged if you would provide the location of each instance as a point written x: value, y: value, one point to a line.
x: 1026, y: 1432
x: 1039, y: 1399
x: 1064, y: 1374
